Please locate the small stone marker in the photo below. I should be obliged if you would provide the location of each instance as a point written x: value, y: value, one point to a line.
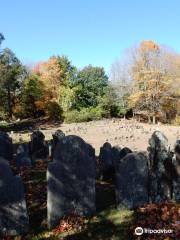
x: 106, y: 161
x: 22, y: 157
x: 38, y: 146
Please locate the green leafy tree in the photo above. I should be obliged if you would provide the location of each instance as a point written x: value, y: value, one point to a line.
x: 68, y: 71
x: 92, y: 83
x: 33, y: 96
x: 11, y: 76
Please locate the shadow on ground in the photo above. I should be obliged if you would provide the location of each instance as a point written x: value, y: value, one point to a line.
x: 110, y: 223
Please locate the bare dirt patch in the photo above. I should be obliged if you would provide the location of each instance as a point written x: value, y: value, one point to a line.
x: 129, y: 133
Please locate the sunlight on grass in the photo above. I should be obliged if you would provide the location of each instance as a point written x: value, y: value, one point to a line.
x: 109, y: 224
x: 117, y: 216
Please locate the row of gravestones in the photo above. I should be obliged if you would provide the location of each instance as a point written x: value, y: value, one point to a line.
x: 71, y: 177
x: 143, y: 177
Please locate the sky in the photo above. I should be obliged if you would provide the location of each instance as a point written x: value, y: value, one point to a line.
x: 93, y: 32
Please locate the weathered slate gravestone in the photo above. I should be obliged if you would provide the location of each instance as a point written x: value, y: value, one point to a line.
x: 124, y: 151
x: 176, y: 172
x: 57, y: 136
x: 71, y: 179
x: 106, y: 161
x: 160, y: 168
x: 38, y: 146
x: 23, y: 158
x: 132, y: 181
x: 6, y: 147
x: 115, y: 155
x: 119, y: 153
x: 13, y: 213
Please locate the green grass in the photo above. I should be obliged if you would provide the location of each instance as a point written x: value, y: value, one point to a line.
x: 111, y: 224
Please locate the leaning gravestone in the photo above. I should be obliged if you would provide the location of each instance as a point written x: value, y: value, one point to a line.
x: 13, y: 213
x: 176, y: 173
x: 160, y: 168
x: 71, y: 180
x: 6, y: 147
x: 22, y: 156
x: 132, y: 181
x: 38, y: 146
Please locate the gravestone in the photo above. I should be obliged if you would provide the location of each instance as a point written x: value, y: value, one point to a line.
x: 176, y: 172
x: 38, y: 146
x: 23, y: 158
x: 160, y: 168
x: 13, y: 213
x: 57, y: 136
x: 71, y: 179
x: 106, y: 161
x: 119, y: 153
x: 124, y: 151
x: 6, y: 147
x: 115, y: 155
x: 132, y: 181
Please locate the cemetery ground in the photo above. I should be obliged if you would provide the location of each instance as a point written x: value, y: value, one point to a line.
x: 124, y: 133
x: 109, y: 222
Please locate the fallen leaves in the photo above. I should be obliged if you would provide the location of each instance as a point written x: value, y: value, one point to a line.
x: 71, y: 222
x: 158, y: 216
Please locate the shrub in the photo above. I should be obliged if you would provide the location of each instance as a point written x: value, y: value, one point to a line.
x: 118, y: 111
x: 84, y: 115
x: 18, y: 112
x: 3, y: 115
x: 177, y: 120
x: 54, y: 111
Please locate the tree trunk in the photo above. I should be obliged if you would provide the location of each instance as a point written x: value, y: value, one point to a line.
x: 149, y: 119
x: 154, y: 119
x: 9, y: 103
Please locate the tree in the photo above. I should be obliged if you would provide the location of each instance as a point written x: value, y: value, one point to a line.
x: 11, y: 75
x: 91, y: 84
x: 56, y: 72
x: 121, y: 84
x: 1, y: 38
x: 33, y: 96
x: 151, y: 74
x: 68, y: 71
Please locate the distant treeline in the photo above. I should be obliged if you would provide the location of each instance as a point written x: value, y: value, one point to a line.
x: 145, y: 83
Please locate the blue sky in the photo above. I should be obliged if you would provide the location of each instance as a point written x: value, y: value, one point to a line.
x: 87, y: 31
